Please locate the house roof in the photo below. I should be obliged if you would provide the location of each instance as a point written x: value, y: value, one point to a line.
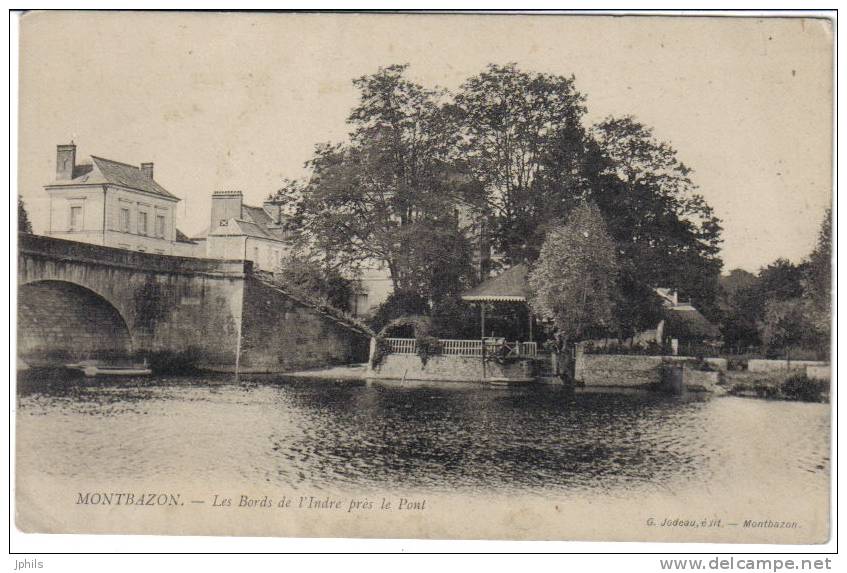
x: 254, y: 222
x: 685, y: 321
x: 508, y: 286
x: 183, y: 238
x: 105, y: 171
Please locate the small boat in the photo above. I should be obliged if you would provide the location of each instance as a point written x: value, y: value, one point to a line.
x: 509, y: 381
x: 92, y: 371
x: 92, y: 368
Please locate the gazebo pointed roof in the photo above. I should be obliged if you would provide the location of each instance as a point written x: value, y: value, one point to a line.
x: 508, y: 286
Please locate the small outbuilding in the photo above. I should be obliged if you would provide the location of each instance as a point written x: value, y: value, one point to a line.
x: 510, y: 286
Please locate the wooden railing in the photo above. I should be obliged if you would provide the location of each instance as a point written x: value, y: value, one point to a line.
x: 402, y: 345
x: 466, y: 347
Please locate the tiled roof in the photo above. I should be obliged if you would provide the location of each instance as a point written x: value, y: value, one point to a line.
x: 116, y: 173
x: 254, y: 222
x: 506, y: 287
x: 261, y: 218
x: 183, y: 238
x: 201, y: 236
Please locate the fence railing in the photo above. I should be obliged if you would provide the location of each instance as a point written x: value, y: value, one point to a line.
x: 467, y: 347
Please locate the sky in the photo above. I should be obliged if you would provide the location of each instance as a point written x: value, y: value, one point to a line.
x: 238, y: 101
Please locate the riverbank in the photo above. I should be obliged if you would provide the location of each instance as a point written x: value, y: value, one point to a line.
x: 773, y: 385
x: 344, y: 372
x: 776, y: 385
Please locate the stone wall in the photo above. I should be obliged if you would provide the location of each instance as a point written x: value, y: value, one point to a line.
x: 819, y: 372
x: 282, y: 334
x: 629, y: 370
x: 62, y: 322
x: 617, y: 370
x: 699, y: 379
x: 761, y: 365
x: 448, y: 369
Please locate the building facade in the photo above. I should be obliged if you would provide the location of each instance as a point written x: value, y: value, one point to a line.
x: 243, y: 232
x: 110, y: 203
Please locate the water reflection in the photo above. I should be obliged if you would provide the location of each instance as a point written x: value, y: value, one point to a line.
x: 313, y: 434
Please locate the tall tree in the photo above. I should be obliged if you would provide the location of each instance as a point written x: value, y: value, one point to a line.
x: 513, y: 122
x: 326, y: 286
x: 817, y: 286
x: 779, y: 282
x: 24, y: 225
x: 389, y: 194
x: 572, y: 282
x: 659, y: 220
x: 785, y: 325
x: 524, y: 140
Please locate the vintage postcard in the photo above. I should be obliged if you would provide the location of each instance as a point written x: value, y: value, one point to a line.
x: 418, y: 275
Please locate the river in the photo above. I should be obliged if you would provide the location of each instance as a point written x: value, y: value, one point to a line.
x: 307, y: 434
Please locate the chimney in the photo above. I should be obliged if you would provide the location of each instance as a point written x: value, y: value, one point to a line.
x: 226, y: 205
x: 65, y: 161
x: 147, y: 170
x: 274, y: 211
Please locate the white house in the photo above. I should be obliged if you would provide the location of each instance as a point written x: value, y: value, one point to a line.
x: 114, y: 204
x: 243, y: 232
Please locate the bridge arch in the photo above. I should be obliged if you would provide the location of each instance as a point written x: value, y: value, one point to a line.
x: 61, y: 321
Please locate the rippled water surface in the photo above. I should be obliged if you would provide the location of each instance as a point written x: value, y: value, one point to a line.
x: 325, y: 434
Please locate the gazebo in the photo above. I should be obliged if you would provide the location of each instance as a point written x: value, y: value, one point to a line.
x: 508, y: 286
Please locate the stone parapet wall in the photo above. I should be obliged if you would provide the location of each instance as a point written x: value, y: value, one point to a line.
x: 73, y: 251
x: 448, y: 368
x: 699, y: 379
x: 762, y: 365
x: 630, y: 370
x: 617, y: 370
x: 281, y: 334
x: 819, y: 372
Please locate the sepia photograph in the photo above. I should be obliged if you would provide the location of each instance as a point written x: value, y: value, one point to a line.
x: 457, y: 276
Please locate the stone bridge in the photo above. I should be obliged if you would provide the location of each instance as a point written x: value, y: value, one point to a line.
x: 78, y: 301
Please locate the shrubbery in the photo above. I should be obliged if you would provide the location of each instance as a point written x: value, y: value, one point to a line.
x: 801, y: 387
x: 639, y: 349
x: 170, y: 362
x: 427, y: 347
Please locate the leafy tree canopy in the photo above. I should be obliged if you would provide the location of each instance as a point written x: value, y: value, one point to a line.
x: 389, y: 193
x: 24, y: 225
x: 423, y: 170
x: 573, y: 279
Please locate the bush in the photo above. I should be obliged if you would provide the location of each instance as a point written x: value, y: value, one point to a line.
x: 319, y: 283
x: 800, y: 387
x: 170, y: 362
x: 382, y: 350
x: 398, y: 304
x: 702, y: 365
x: 766, y: 390
x: 451, y: 318
x: 428, y: 346
x: 640, y: 349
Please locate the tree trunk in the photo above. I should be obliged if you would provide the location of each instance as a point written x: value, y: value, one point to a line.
x: 563, y: 362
